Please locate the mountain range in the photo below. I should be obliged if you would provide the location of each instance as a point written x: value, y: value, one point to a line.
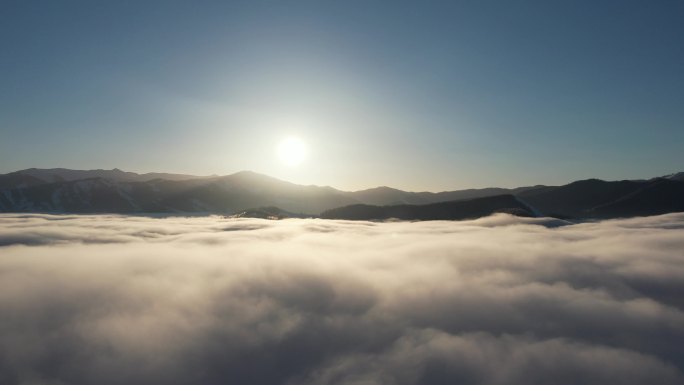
x: 115, y: 191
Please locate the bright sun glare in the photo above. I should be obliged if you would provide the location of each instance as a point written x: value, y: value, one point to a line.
x: 292, y: 151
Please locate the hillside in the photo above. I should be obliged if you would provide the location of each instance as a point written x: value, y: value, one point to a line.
x: 115, y: 191
x: 454, y: 210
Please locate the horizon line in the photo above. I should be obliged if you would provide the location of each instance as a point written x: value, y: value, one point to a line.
x: 336, y: 188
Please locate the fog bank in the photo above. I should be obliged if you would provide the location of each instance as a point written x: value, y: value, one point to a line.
x: 208, y: 300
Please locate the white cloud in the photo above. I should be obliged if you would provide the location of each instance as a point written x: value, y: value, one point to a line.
x: 499, y: 300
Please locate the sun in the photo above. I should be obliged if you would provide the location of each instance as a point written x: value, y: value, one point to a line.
x: 292, y: 151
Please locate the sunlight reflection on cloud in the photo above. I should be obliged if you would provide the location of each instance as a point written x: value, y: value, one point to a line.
x: 500, y: 300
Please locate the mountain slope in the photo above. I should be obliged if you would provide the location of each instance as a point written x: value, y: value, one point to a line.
x: 50, y: 175
x: 93, y: 195
x: 659, y: 196
x: 454, y: 210
x: 386, y: 195
x: 18, y: 180
x: 676, y: 176
x: 116, y: 191
x: 217, y: 195
x: 574, y: 199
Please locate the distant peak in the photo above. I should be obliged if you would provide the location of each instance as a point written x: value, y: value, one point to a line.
x: 248, y: 173
x: 380, y: 189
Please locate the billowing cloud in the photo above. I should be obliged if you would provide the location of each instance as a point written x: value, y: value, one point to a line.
x: 209, y: 300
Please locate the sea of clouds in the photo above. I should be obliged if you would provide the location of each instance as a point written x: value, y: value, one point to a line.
x: 209, y: 300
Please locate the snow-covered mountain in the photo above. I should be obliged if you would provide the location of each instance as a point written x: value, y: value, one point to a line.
x: 226, y: 194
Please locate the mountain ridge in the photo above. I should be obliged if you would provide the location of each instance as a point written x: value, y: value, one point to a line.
x: 117, y: 191
x: 451, y: 210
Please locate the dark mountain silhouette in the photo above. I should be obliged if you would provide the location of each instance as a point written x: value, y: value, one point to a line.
x: 574, y: 199
x: 226, y: 195
x: 64, y: 175
x: 659, y: 196
x: 116, y: 191
x: 271, y: 212
x: 677, y: 176
x: 387, y: 195
x: 18, y: 180
x: 594, y: 198
x: 454, y: 210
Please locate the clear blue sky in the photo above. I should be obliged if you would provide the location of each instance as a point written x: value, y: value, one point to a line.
x: 420, y: 95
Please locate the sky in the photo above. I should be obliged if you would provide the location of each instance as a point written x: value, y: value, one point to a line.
x: 426, y: 95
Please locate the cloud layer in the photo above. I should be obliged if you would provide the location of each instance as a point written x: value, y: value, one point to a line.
x: 208, y: 300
